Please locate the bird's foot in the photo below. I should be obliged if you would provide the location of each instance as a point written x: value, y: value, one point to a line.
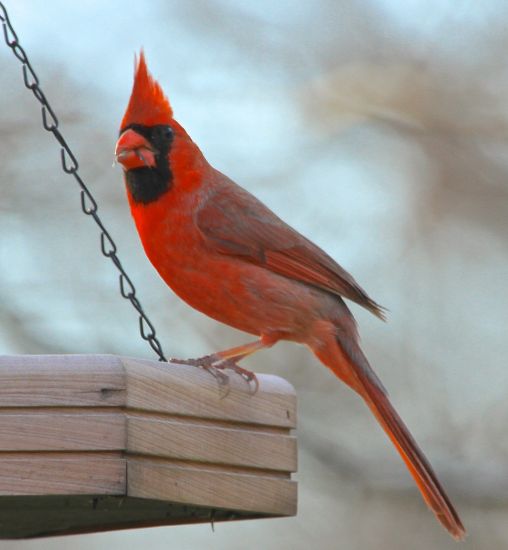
x: 208, y: 363
x: 216, y: 365
x: 247, y: 375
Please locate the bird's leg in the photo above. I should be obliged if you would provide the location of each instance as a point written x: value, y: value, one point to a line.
x: 231, y: 357
x: 228, y: 359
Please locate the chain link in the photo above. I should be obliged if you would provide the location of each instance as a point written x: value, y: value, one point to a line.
x: 70, y: 166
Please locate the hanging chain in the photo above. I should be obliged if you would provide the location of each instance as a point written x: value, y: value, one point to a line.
x: 70, y: 166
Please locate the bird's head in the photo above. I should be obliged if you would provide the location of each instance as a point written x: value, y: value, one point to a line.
x: 152, y: 145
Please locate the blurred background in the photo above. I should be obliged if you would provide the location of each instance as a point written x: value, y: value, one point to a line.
x: 378, y: 128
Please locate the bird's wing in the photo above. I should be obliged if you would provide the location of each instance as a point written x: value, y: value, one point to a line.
x: 234, y: 222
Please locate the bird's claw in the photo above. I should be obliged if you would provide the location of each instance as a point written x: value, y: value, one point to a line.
x: 247, y: 375
x: 216, y: 366
x: 205, y: 362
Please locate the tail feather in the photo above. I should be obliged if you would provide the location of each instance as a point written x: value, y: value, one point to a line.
x: 349, y: 364
x: 431, y: 489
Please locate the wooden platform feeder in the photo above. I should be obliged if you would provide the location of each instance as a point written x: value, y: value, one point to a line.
x: 91, y: 443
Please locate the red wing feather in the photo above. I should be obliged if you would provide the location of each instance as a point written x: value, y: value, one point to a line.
x: 234, y: 222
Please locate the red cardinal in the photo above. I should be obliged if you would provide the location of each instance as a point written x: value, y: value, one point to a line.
x: 227, y: 255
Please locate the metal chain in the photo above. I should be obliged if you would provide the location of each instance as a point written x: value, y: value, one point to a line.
x: 70, y: 166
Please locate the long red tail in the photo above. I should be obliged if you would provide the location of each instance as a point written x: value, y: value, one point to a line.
x: 351, y: 366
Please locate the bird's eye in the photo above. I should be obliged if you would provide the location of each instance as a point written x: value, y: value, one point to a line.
x: 161, y: 136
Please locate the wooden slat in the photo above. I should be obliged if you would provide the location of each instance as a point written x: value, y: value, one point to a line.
x: 208, y: 443
x: 55, y: 475
x: 78, y: 431
x: 61, y: 380
x: 218, y: 489
x: 183, y: 390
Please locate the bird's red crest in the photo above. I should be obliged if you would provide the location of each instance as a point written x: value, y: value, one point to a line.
x: 148, y: 105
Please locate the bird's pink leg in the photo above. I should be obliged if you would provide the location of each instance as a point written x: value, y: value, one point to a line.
x: 228, y: 359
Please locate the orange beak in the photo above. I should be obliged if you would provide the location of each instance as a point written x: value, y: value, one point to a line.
x: 134, y: 151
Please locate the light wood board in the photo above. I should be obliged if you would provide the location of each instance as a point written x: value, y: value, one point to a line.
x: 113, y: 427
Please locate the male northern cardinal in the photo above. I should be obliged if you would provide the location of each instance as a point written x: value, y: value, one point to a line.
x: 227, y: 255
